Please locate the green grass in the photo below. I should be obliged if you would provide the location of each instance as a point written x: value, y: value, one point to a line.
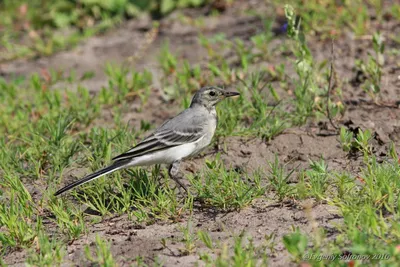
x: 245, y: 253
x: 47, y: 253
x: 370, y: 214
x: 47, y: 130
x: 332, y: 18
x: 101, y: 255
x: 43, y: 27
x: 225, y: 188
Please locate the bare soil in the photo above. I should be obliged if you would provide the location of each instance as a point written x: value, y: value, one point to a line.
x: 294, y: 146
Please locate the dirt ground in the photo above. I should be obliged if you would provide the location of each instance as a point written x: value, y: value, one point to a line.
x: 294, y: 146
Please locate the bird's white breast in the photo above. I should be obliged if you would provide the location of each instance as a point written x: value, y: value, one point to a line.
x: 209, y: 132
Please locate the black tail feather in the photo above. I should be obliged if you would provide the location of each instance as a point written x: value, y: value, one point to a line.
x: 90, y: 177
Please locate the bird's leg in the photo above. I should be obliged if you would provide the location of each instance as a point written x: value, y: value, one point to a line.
x: 173, y: 171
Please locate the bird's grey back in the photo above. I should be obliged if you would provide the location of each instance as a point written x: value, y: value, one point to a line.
x: 196, y: 117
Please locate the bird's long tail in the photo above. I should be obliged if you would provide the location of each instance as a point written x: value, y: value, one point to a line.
x: 112, y: 168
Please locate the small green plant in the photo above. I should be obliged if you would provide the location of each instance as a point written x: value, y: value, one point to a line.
x: 245, y: 253
x: 372, y: 68
x: 279, y: 179
x: 296, y: 243
x: 167, y: 60
x: 346, y: 139
x: 102, y: 254
x: 262, y: 40
x: 226, y: 188
x: 135, y: 86
x: 318, y: 177
x: 306, y: 89
x: 189, y: 239
x: 243, y: 53
x: 362, y: 141
x: 16, y: 213
x: 69, y: 220
x: 205, y: 238
x: 49, y: 252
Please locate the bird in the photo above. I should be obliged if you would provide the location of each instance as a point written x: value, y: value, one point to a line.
x: 178, y: 138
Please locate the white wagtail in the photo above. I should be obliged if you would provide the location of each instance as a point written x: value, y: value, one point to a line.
x: 176, y: 139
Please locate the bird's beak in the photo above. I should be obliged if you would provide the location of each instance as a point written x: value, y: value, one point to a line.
x: 229, y: 94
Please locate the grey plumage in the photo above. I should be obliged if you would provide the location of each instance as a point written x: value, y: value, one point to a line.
x: 176, y: 139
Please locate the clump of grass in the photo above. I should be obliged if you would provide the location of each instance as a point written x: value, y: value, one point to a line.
x: 189, y: 239
x: 369, y: 205
x: 17, y: 213
x: 225, y: 188
x: 279, y: 180
x: 140, y: 195
x: 101, y: 254
x: 318, y: 178
x: 372, y: 68
x: 245, y: 253
x: 128, y: 85
x: 360, y: 142
x: 49, y: 252
x: 69, y: 219
x: 296, y: 244
x: 308, y: 91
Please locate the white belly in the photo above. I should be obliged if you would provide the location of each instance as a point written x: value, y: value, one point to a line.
x: 167, y: 156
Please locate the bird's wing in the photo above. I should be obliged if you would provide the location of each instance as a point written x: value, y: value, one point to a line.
x: 175, y: 132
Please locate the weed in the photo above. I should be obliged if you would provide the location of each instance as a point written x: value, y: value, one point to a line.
x: 225, y: 188
x: 138, y: 85
x: 296, y: 243
x: 16, y: 213
x: 279, y: 180
x: 102, y: 254
x: 372, y: 68
x: 206, y: 239
x: 69, y: 220
x: 167, y: 60
x: 362, y: 141
x: 189, y: 239
x: 318, y: 178
x: 307, y: 91
x: 262, y: 40
x: 346, y: 139
x: 48, y: 253
x: 245, y: 253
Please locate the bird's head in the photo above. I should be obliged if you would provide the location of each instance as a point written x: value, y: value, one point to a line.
x: 209, y: 96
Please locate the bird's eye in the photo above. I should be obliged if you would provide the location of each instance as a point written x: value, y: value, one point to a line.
x: 212, y: 93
